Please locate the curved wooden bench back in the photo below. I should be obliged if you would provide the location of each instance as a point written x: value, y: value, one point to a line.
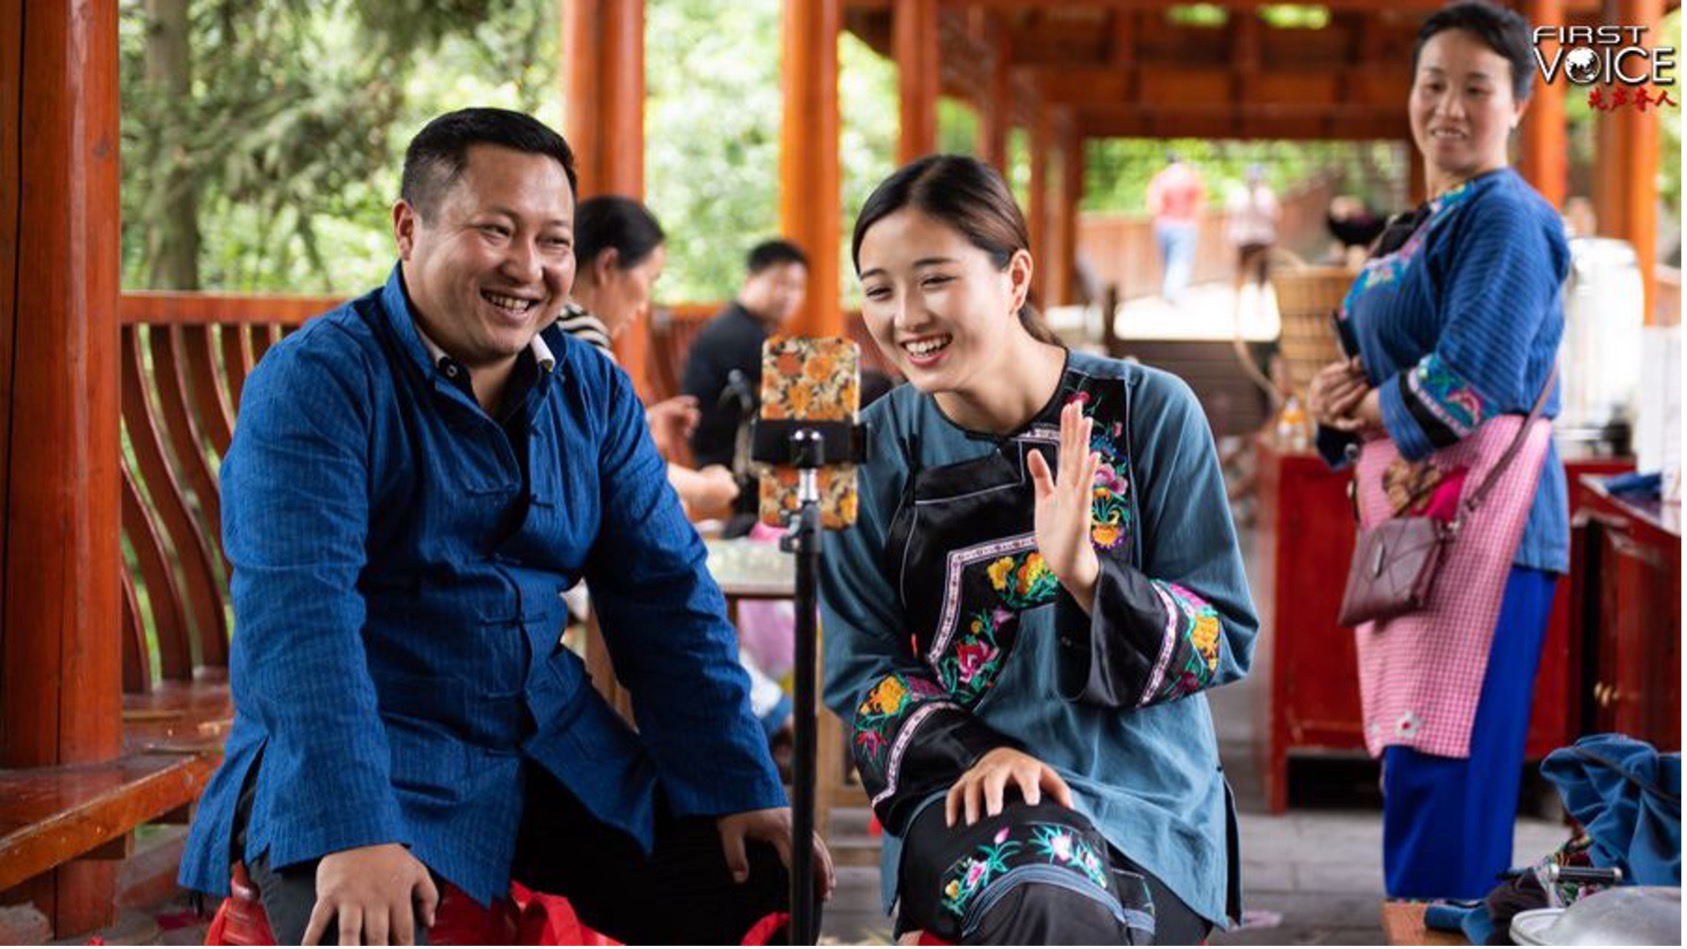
x: 185, y: 358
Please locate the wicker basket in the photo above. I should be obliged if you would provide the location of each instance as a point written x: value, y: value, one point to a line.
x: 1307, y: 299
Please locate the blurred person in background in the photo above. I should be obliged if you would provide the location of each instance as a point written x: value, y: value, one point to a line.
x: 723, y: 367
x: 1175, y: 197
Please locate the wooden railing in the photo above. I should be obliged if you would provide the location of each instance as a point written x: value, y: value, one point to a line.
x: 1120, y: 250
x: 185, y: 359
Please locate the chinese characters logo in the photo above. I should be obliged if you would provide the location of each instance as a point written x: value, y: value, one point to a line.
x: 1615, y: 61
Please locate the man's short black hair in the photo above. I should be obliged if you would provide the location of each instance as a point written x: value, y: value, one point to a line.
x: 437, y: 155
x: 1501, y: 30
x: 772, y: 254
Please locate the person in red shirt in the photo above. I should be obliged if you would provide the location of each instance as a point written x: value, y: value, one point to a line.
x: 1175, y: 197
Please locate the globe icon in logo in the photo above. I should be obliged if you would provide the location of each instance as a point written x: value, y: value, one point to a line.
x: 1581, y: 65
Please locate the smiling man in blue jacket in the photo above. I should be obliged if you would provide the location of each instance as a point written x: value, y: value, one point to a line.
x: 415, y: 478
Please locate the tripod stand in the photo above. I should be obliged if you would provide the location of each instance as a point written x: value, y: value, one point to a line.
x: 808, y: 446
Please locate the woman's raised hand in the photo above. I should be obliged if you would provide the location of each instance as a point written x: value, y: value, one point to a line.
x: 1063, y: 507
x: 980, y: 792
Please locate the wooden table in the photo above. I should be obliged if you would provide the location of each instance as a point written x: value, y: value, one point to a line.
x: 756, y: 570
x: 1627, y: 612
x: 751, y: 570
x: 1402, y: 925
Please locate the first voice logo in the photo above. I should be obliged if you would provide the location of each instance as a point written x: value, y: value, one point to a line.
x: 1614, y: 57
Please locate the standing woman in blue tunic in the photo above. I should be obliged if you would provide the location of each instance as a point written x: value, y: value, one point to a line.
x: 1043, y: 582
x: 1457, y: 317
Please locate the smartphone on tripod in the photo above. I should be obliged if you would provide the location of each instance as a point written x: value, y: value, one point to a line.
x: 816, y: 379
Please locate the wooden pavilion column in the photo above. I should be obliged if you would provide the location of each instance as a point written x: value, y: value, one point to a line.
x: 1545, y: 159
x: 810, y: 205
x: 914, y: 43
x: 1037, y: 214
x: 995, y: 112
x: 1068, y: 195
x: 603, y: 120
x: 60, y: 647
x: 1625, y: 197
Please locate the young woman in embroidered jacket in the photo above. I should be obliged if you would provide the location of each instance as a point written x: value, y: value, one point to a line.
x: 1043, y: 581
x: 1457, y: 315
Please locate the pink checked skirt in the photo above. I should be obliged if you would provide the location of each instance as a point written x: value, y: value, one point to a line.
x: 1420, y: 675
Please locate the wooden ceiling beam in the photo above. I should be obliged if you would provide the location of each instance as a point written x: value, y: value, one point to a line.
x: 1255, y: 122
x: 1058, y: 5
x: 1209, y: 87
x: 1122, y: 51
x: 1579, y: 8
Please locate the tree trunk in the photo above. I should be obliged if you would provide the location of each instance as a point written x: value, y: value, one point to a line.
x: 173, y: 206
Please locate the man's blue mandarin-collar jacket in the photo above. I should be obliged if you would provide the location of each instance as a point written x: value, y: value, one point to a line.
x: 396, y: 660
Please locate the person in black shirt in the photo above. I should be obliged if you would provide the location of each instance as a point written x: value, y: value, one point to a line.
x: 723, y: 368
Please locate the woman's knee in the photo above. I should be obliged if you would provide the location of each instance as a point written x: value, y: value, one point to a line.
x: 1046, y: 863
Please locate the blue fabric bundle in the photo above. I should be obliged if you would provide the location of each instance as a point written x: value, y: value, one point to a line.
x: 1628, y: 797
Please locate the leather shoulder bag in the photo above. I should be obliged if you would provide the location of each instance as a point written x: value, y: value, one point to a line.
x: 1395, y: 562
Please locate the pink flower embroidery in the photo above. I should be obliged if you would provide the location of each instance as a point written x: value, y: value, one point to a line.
x: 1062, y: 847
x: 975, y: 872
x: 1001, y: 835
x: 972, y: 657
x: 871, y: 741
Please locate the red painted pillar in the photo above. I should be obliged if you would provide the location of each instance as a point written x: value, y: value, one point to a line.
x: 914, y: 43
x: 1545, y: 158
x: 60, y: 645
x: 810, y: 205
x: 603, y: 118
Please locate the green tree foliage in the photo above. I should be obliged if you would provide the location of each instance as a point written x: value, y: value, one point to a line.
x: 261, y: 152
x: 711, y: 131
x: 286, y: 136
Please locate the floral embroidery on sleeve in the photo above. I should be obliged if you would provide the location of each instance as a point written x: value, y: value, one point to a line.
x: 886, y: 723
x: 1448, y: 407
x: 1189, y: 650
x: 883, y: 711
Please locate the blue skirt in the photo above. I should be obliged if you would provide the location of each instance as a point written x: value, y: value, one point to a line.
x: 1448, y: 822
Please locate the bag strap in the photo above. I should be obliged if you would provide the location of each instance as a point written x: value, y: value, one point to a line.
x: 1476, y: 497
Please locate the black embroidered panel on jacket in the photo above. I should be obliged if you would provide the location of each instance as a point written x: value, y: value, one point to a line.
x: 962, y: 547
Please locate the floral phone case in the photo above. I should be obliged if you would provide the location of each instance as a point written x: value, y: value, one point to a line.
x: 819, y: 379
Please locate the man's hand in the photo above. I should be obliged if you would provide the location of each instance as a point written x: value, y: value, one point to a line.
x: 985, y: 783
x: 1063, y: 507
x: 376, y: 894
x: 772, y: 825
